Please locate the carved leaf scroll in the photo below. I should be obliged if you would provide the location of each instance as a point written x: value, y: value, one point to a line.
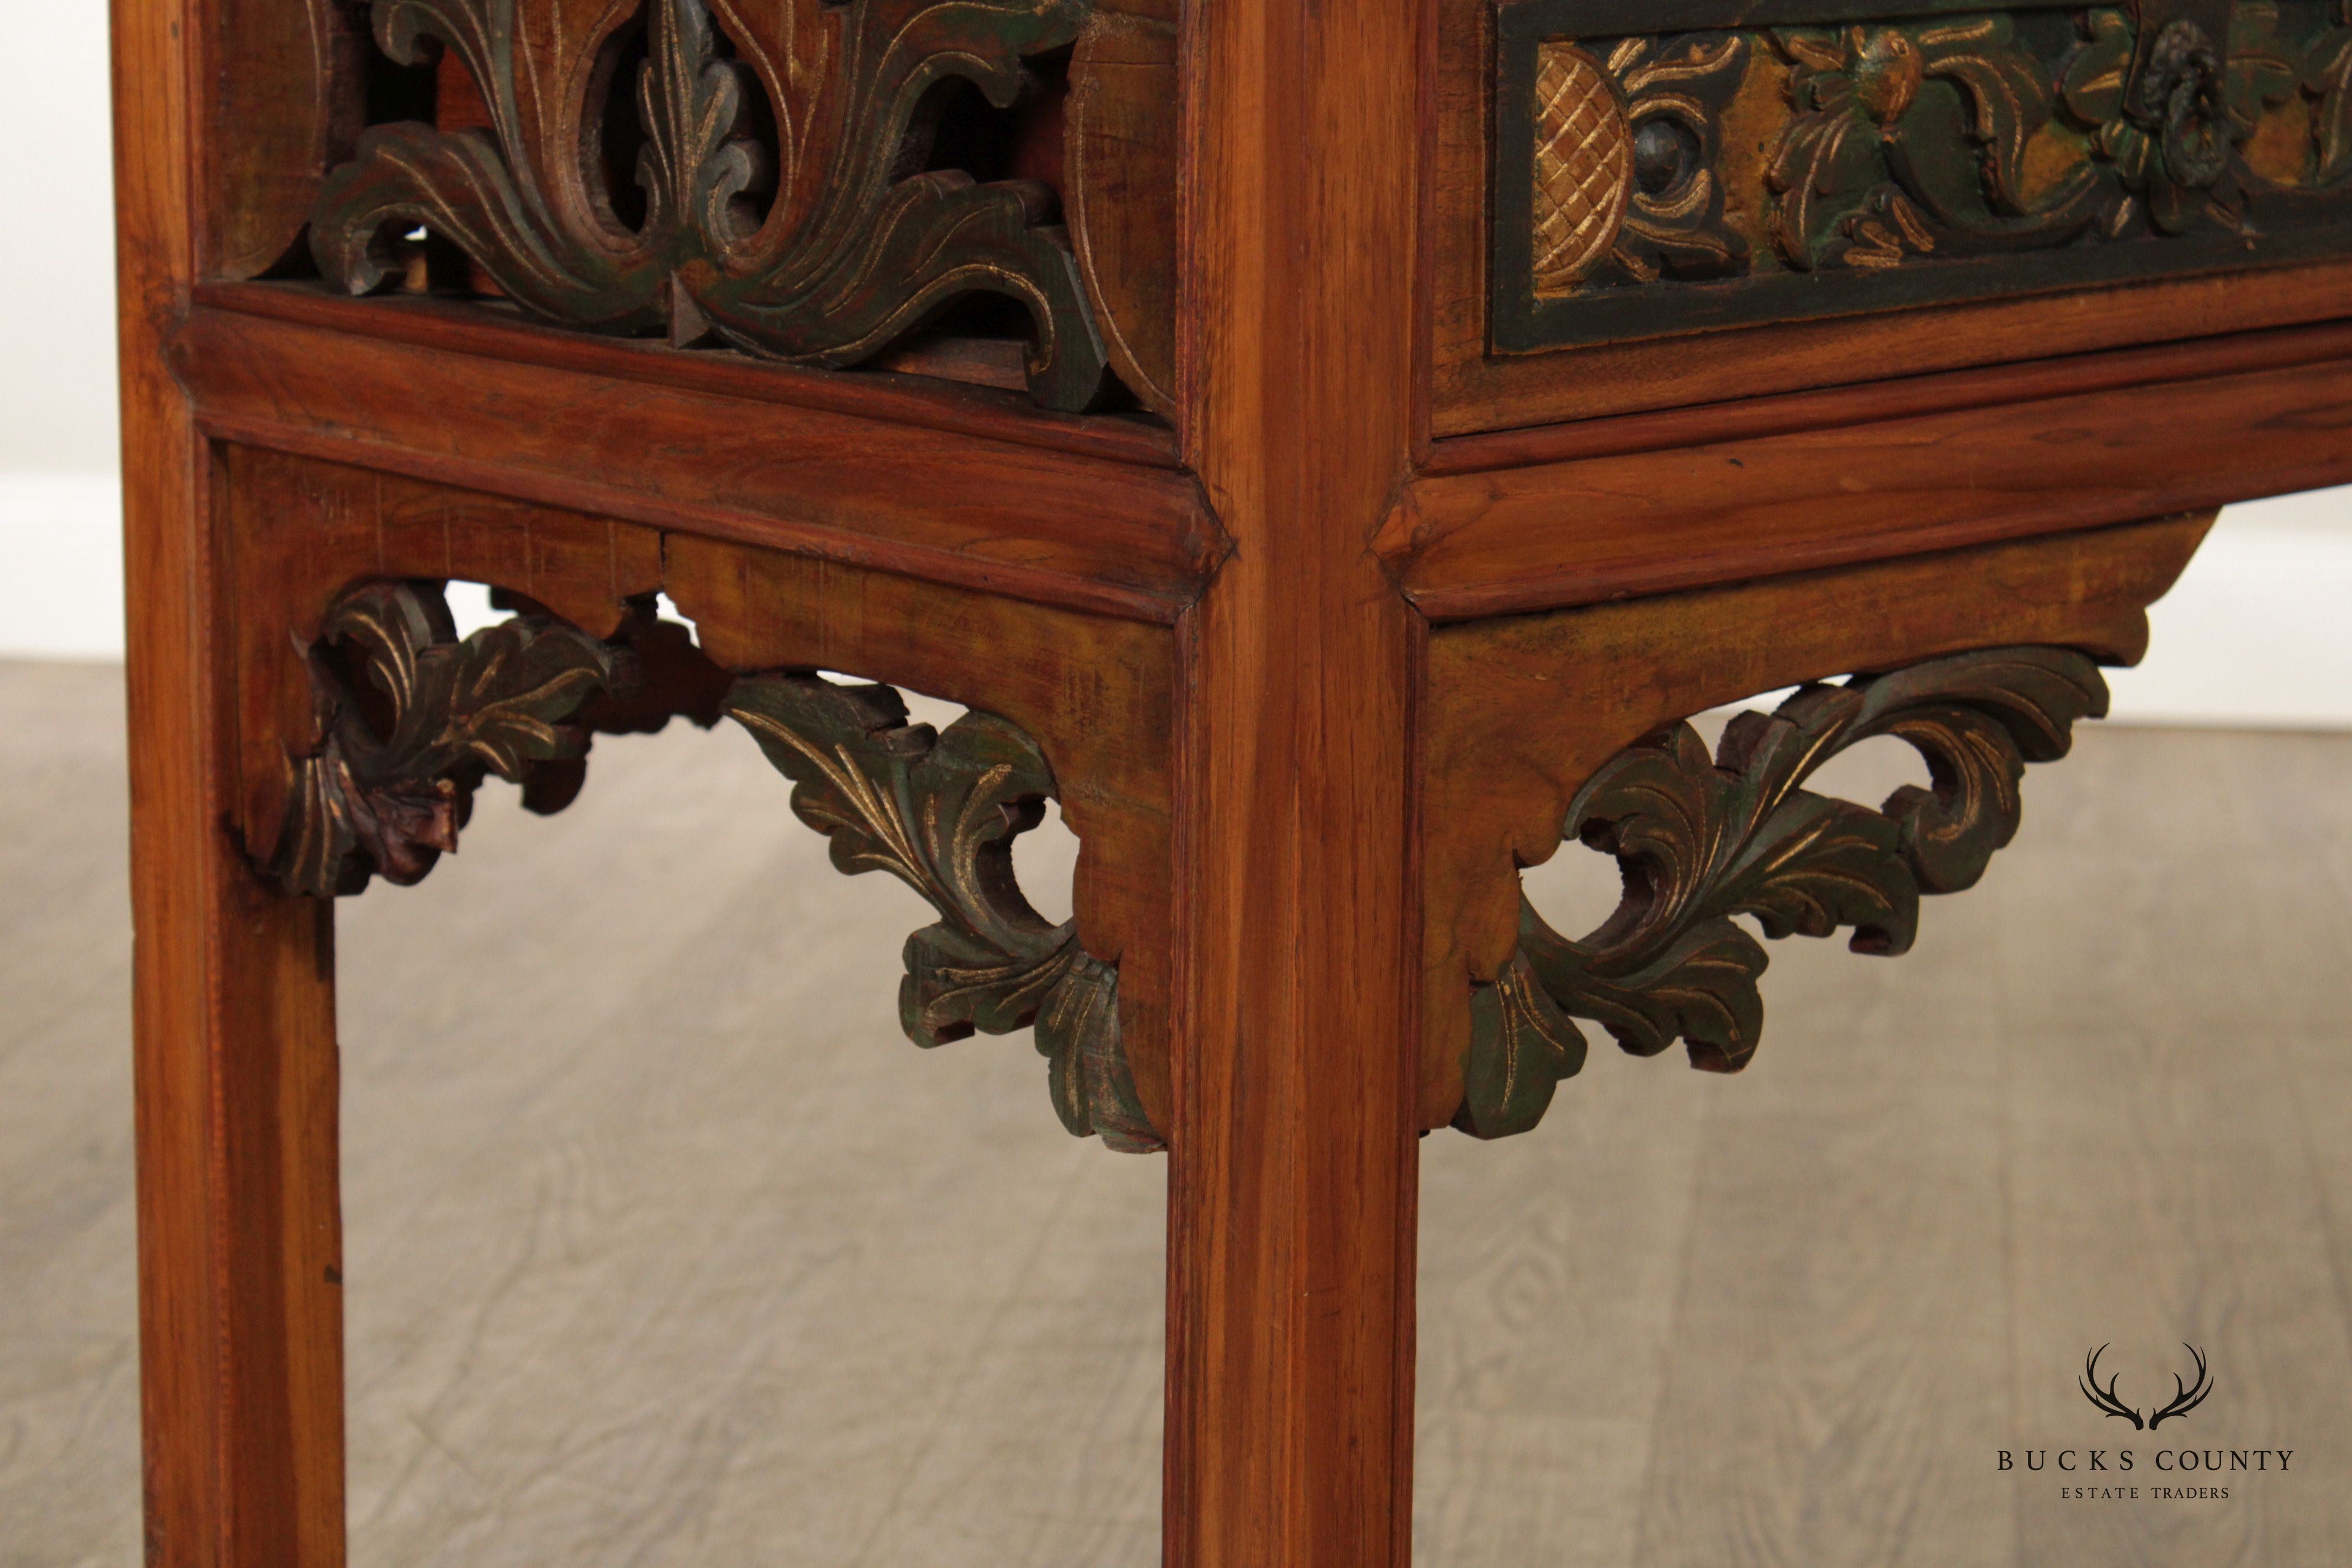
x: 940, y: 811
x: 394, y: 778
x: 411, y: 720
x: 809, y: 231
x: 1701, y: 840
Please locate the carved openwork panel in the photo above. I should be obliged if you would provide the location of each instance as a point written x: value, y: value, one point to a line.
x: 1670, y: 166
x: 809, y: 181
x: 1703, y: 839
x: 412, y: 719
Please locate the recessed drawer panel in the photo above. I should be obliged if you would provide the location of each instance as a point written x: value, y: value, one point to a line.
x: 1666, y: 167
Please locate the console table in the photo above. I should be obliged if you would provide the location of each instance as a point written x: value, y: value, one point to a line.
x: 1330, y: 448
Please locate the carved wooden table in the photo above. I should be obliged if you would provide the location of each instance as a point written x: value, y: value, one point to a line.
x: 1330, y: 448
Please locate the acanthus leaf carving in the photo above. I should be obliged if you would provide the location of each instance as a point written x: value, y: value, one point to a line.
x: 1702, y: 839
x: 859, y: 244
x: 410, y: 719
x: 392, y: 779
x: 939, y: 810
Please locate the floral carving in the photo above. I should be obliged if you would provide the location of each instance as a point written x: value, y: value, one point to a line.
x: 1702, y: 840
x: 940, y: 811
x: 2293, y: 71
x: 2056, y: 147
x: 2167, y: 130
x: 401, y: 755
x: 1912, y: 140
x: 786, y: 204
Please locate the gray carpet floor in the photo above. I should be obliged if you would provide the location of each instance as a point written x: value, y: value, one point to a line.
x: 665, y: 1247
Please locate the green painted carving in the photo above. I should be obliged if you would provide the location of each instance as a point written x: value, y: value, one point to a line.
x: 787, y: 208
x: 2293, y: 71
x: 1911, y: 140
x: 1830, y: 168
x: 399, y: 759
x: 411, y: 719
x: 940, y: 811
x: 1702, y: 840
x: 2167, y: 130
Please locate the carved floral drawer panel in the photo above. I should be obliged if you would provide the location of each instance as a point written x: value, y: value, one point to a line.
x: 1811, y: 174
x: 1666, y: 168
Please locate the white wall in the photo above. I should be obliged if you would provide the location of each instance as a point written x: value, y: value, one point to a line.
x: 61, y: 549
x: 56, y: 365
x: 2258, y: 632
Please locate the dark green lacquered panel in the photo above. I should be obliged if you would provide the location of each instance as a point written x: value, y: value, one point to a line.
x: 1682, y: 165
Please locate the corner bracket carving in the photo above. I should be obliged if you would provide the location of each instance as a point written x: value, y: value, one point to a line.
x: 1701, y: 840
x: 412, y: 719
x: 939, y: 810
x: 401, y: 752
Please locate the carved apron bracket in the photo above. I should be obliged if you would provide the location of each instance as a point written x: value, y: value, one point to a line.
x: 410, y: 719
x: 1701, y: 840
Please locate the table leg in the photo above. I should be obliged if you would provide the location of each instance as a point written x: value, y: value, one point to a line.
x: 1293, y: 1157
x: 240, y: 1233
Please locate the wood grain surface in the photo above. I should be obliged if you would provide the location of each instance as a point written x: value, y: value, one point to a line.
x: 1118, y: 536
x: 287, y: 105
x: 1292, y: 1166
x: 499, y: 333
x: 240, y: 1244
x: 1860, y: 488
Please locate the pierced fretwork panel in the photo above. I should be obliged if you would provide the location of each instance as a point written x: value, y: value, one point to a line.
x: 770, y: 173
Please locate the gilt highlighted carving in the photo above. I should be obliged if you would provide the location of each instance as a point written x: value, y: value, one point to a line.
x: 411, y: 731
x: 1584, y: 165
x: 411, y: 720
x: 786, y: 204
x: 1701, y: 840
x: 940, y: 811
x: 1820, y: 168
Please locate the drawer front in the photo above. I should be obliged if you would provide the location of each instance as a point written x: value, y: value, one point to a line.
x: 1666, y: 167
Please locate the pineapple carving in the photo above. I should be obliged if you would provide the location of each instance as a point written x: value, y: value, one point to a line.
x: 1583, y: 173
